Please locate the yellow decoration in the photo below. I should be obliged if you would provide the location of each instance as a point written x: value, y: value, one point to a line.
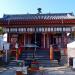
x: 51, y: 52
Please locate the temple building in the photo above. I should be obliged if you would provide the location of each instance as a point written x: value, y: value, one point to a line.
x: 42, y: 30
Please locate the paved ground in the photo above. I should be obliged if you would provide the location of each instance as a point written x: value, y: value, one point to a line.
x: 8, y: 72
x: 47, y: 71
x: 56, y: 71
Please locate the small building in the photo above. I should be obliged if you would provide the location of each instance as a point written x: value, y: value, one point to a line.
x: 70, y: 52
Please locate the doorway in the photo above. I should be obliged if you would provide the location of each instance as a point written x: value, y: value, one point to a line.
x: 38, y: 39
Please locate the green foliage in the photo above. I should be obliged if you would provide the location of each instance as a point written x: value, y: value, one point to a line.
x: 1, y: 30
x: 20, y: 64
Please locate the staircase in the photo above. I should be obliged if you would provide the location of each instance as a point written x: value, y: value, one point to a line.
x: 12, y: 63
x: 26, y: 54
x: 41, y: 56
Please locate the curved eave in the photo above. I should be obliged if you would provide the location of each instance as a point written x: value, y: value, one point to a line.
x: 39, y: 22
x: 3, y: 22
x: 69, y: 21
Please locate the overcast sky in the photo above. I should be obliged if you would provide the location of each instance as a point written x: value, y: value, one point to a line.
x: 30, y: 6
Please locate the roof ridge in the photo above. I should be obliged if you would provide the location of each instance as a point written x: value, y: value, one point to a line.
x: 39, y: 16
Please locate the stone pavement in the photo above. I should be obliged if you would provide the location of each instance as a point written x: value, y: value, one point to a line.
x: 63, y: 70
x: 2, y: 69
x: 8, y: 72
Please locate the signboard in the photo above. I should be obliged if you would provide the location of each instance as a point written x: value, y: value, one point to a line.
x: 6, y: 46
x: 1, y: 42
x: 1, y: 45
x: 73, y: 62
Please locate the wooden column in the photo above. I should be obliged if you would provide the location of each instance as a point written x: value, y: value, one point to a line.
x: 74, y: 35
x: 47, y: 41
x: 44, y: 40
x: 28, y: 38
x: 8, y: 37
x: 24, y: 39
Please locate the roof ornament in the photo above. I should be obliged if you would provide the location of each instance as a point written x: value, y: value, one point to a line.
x: 69, y: 15
x: 39, y: 10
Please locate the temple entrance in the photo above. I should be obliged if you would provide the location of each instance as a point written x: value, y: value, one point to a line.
x: 43, y: 52
x: 36, y: 39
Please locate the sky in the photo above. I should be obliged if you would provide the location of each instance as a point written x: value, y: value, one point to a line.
x: 30, y: 6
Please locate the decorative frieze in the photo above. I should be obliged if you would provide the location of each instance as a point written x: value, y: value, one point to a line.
x: 40, y: 29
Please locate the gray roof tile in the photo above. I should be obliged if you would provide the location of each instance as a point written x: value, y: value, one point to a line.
x: 40, y: 16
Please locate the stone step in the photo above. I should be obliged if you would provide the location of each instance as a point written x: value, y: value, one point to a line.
x: 48, y: 63
x: 12, y: 63
x: 40, y: 54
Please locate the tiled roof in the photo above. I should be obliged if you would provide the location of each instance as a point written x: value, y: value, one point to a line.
x: 40, y: 16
